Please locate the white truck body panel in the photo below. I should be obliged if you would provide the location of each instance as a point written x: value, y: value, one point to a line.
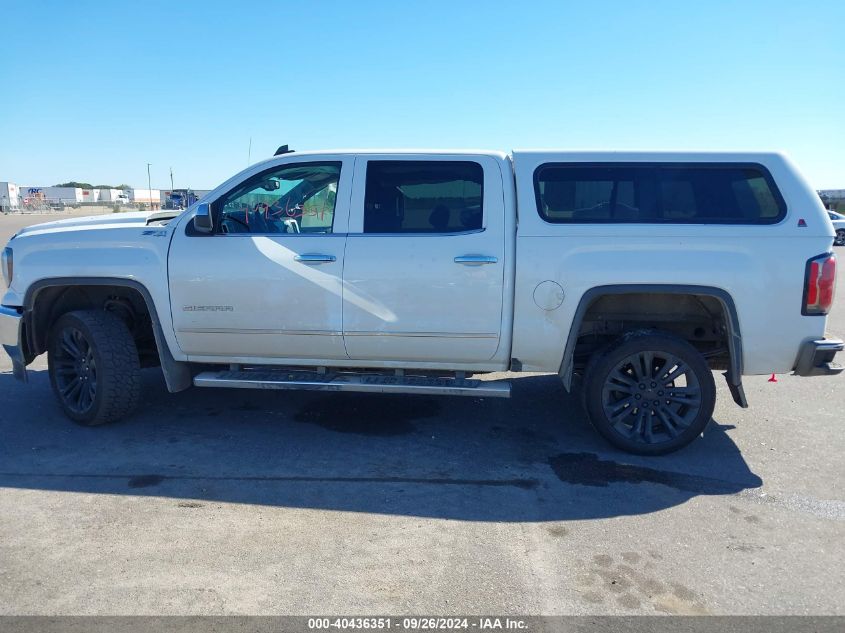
x: 420, y: 305
x: 113, y: 246
x: 746, y: 261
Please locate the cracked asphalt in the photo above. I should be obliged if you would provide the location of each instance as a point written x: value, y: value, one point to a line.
x: 254, y: 502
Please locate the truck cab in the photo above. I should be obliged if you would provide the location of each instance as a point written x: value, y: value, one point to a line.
x: 361, y: 259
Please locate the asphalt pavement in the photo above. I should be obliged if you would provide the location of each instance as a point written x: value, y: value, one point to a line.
x: 255, y: 502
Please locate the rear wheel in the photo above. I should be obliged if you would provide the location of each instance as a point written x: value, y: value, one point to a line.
x: 94, y: 368
x: 649, y: 394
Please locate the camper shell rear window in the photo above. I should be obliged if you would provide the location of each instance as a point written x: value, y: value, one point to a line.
x: 657, y: 193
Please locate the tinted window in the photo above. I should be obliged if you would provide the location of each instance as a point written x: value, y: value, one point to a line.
x: 423, y: 197
x: 289, y: 199
x: 645, y: 193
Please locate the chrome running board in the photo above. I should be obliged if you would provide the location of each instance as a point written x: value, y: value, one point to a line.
x: 347, y: 381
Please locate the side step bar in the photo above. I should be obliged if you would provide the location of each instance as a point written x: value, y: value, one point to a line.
x: 342, y: 381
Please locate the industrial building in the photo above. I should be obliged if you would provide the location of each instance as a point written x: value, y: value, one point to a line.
x: 14, y: 197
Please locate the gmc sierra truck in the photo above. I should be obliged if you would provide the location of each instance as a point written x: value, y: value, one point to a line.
x: 632, y: 275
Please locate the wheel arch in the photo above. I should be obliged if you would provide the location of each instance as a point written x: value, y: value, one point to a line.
x: 177, y: 374
x: 734, y: 336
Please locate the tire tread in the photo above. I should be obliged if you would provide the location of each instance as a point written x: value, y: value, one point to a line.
x: 118, y: 371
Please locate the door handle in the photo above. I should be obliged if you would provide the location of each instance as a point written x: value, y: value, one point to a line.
x: 315, y: 258
x: 475, y: 260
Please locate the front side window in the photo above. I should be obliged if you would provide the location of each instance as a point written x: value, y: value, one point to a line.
x: 291, y: 199
x: 423, y: 197
x: 668, y: 193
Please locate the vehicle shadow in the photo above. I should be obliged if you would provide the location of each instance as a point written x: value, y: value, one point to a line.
x: 531, y: 458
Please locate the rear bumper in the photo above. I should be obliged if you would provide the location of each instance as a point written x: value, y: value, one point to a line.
x: 10, y: 338
x: 816, y: 358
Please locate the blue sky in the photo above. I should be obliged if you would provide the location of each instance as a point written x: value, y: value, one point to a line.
x: 93, y: 91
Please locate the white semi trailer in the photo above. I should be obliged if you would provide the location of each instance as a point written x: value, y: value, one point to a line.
x: 149, y: 197
x: 9, y: 197
x: 66, y: 195
x: 118, y: 196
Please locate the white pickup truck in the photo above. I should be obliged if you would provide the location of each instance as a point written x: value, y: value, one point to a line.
x: 420, y: 271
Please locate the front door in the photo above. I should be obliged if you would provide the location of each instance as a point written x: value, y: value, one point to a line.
x: 424, y: 270
x: 267, y: 283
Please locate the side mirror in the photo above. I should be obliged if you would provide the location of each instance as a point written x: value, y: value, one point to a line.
x: 202, y: 219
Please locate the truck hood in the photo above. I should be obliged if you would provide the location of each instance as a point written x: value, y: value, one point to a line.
x: 117, y: 220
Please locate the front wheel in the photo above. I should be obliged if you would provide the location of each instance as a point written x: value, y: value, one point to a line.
x: 649, y: 394
x: 94, y: 368
x: 839, y: 240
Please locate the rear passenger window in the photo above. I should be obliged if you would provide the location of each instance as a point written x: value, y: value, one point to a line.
x: 423, y: 197
x: 648, y: 193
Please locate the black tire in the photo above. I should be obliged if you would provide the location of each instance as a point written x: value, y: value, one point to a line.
x: 839, y: 240
x: 615, y: 390
x: 94, y: 368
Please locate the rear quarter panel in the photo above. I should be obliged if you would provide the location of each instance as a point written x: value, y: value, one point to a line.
x: 761, y: 267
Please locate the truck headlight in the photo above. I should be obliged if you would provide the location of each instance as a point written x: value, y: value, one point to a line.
x: 7, y: 265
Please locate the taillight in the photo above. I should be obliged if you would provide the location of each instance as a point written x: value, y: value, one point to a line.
x: 819, y: 283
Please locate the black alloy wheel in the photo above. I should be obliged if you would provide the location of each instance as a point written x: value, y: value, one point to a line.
x: 649, y: 393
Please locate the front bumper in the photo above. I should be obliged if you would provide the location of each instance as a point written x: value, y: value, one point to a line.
x: 816, y: 358
x: 11, y: 326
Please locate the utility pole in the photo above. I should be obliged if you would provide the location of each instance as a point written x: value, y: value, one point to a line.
x: 169, y: 198
x: 149, y: 187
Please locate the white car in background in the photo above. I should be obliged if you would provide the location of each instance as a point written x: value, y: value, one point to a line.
x: 839, y: 226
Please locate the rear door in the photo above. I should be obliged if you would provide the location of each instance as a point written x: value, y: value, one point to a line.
x: 424, y: 269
